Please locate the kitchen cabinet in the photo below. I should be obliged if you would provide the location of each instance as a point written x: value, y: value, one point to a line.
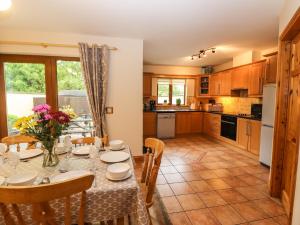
x: 239, y: 77
x: 149, y: 124
x: 212, y: 124
x: 271, y: 69
x: 254, y: 141
x: 214, y: 88
x: 183, y: 123
x: 196, y: 122
x: 225, y: 83
x: 147, y: 85
x: 248, y: 135
x: 189, y: 122
x: 203, y: 84
x: 256, y: 75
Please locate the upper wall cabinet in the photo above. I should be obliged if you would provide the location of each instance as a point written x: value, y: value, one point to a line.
x: 225, y: 83
x: 256, y: 75
x: 203, y: 85
x: 271, y: 69
x: 239, y: 77
x: 147, y: 85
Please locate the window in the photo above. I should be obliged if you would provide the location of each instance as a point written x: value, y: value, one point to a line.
x: 163, y: 91
x: 169, y: 91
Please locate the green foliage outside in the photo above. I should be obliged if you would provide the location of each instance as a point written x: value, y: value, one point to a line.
x: 11, y: 119
x: 30, y: 78
x: 163, y: 90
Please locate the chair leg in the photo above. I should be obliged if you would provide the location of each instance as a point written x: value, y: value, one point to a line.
x: 149, y: 216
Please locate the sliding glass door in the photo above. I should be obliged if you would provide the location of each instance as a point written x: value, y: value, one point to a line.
x: 25, y: 87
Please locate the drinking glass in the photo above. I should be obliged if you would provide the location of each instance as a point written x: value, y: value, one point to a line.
x: 13, y: 160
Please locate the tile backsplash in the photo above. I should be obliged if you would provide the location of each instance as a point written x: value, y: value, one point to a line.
x: 237, y: 104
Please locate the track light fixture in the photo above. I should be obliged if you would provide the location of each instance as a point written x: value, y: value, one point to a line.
x: 202, y: 53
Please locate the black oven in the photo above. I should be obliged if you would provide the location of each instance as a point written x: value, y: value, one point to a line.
x: 228, y: 126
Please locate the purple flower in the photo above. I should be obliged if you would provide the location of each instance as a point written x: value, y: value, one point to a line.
x: 44, y: 108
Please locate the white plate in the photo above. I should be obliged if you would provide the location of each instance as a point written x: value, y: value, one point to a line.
x: 70, y: 175
x: 123, y: 178
x: 81, y: 150
x: 22, y: 178
x: 2, y: 179
x: 122, y: 148
x: 114, y: 157
x: 30, y: 153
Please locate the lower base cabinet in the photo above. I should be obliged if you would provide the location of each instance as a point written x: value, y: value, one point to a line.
x: 149, y: 124
x: 248, y: 135
x: 188, y: 122
x: 212, y: 124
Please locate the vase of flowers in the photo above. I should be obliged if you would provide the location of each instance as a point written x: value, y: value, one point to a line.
x: 46, y: 126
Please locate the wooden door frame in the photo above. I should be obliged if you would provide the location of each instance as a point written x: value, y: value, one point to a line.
x: 282, y: 103
x: 50, y: 80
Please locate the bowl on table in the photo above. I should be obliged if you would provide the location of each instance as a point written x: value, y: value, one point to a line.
x: 116, y: 144
x: 118, y: 171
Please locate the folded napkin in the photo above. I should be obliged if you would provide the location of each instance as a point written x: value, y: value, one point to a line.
x: 98, y: 142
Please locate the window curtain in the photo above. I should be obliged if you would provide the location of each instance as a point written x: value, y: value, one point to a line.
x: 94, y: 64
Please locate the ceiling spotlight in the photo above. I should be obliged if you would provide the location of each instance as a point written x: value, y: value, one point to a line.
x: 5, y: 5
x: 204, y: 54
x: 192, y: 58
x: 213, y: 50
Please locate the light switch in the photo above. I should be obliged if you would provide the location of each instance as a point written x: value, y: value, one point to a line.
x: 109, y: 110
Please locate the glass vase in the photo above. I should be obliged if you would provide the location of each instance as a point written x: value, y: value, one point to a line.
x: 50, y: 157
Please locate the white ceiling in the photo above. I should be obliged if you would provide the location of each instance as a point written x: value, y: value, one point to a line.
x: 172, y: 29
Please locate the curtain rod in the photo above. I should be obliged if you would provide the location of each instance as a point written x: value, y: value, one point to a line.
x: 45, y: 45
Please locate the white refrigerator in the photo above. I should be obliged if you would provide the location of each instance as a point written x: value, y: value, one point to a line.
x: 267, y: 124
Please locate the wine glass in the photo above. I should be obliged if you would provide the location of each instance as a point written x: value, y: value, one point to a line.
x: 13, y: 160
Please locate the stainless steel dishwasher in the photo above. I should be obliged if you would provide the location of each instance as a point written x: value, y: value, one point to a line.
x: 166, y: 125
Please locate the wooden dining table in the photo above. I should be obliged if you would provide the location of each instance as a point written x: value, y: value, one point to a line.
x: 106, y: 200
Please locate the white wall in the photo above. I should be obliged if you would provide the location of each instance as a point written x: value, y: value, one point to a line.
x: 125, y: 77
x: 223, y: 66
x: 289, y: 9
x: 172, y: 70
x: 246, y: 58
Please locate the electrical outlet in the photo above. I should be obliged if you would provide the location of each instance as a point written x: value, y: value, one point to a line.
x: 109, y: 110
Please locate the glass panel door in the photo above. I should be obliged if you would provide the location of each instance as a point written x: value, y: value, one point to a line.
x: 72, y: 97
x: 25, y: 87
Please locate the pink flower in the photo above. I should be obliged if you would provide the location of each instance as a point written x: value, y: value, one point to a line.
x: 44, y: 108
x: 48, y: 117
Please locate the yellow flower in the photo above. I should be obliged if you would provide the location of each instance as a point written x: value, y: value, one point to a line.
x: 24, y: 123
x: 67, y: 109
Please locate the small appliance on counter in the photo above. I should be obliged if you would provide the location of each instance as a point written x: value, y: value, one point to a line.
x: 152, y: 104
x: 256, y: 110
x: 217, y: 107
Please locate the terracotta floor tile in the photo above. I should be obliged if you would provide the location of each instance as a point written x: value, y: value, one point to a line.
x: 269, y: 221
x: 190, y: 202
x: 164, y: 190
x: 251, y: 193
x: 269, y: 207
x: 226, y: 215
x: 234, y: 182
x: 231, y: 196
x: 198, y: 167
x: 249, y: 211
x: 179, y: 219
x: 282, y: 220
x: 184, y: 168
x: 250, y: 180
x: 177, y: 161
x: 200, y: 186
x: 207, y: 174
x: 161, y: 179
x: 222, y: 173
x: 173, y: 178
x: 237, y: 171
x: 217, y: 184
x: 263, y: 176
x: 181, y: 188
x: 202, y: 217
x: 168, y: 169
x: 172, y: 205
x: 190, y: 176
x: 212, y: 198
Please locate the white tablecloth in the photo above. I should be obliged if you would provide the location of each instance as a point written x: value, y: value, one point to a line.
x: 107, y: 201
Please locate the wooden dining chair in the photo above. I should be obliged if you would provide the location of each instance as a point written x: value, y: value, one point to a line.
x: 39, y: 198
x: 89, y: 141
x: 152, y: 160
x: 19, y: 139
